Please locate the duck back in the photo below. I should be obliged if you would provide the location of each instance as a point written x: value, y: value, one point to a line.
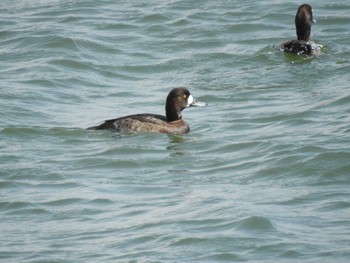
x: 143, y: 123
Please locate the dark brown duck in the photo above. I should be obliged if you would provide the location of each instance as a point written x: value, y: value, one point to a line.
x: 178, y: 99
x: 303, y: 21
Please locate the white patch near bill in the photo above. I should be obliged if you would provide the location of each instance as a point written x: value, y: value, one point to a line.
x: 189, y: 100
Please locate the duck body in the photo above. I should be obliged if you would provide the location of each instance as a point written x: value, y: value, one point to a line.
x: 297, y: 47
x: 178, y: 99
x: 303, y: 44
x: 141, y: 123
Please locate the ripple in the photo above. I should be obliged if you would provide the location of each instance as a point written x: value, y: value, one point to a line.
x: 21, y: 208
x: 225, y: 257
x: 190, y: 241
x: 59, y: 42
x: 256, y: 223
x: 119, y: 26
x: 290, y: 254
x: 63, y: 202
x: 153, y: 18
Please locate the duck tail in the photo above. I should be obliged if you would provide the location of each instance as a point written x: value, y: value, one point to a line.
x: 94, y: 128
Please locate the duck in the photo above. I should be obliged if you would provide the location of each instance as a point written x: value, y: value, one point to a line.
x: 303, y: 45
x: 177, y: 100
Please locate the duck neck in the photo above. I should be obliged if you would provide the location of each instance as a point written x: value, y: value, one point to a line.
x: 172, y: 115
x: 303, y: 33
x: 303, y: 27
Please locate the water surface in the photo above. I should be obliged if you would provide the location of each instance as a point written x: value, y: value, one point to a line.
x: 262, y: 176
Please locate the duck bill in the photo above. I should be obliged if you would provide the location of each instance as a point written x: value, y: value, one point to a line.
x: 197, y: 103
x: 192, y: 102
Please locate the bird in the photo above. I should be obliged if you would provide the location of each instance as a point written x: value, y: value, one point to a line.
x: 177, y: 100
x: 302, y: 45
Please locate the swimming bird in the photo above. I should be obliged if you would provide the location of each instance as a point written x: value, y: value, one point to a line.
x: 178, y: 99
x: 303, y: 45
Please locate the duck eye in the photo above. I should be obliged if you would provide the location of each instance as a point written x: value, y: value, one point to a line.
x: 184, y: 96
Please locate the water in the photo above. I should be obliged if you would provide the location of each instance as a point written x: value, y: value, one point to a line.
x: 262, y: 176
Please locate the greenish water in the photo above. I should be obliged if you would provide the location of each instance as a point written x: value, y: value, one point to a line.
x: 262, y: 176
